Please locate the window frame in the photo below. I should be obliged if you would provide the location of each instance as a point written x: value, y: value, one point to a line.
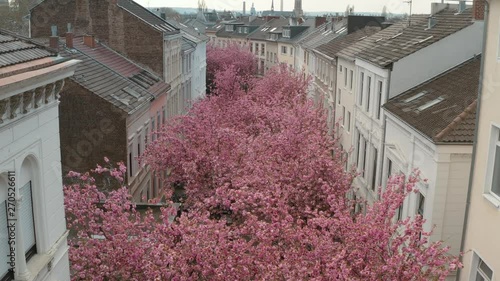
x: 476, y: 269
x: 361, y: 88
x: 494, y: 144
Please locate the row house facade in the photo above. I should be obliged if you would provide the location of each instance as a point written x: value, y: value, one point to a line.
x: 31, y: 79
x: 325, y: 74
x: 170, y: 54
x: 382, y: 73
x: 128, y: 103
x: 431, y: 127
x: 263, y: 43
x: 481, y: 254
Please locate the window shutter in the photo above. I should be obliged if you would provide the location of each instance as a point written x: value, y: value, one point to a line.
x: 27, y: 219
x: 4, y: 241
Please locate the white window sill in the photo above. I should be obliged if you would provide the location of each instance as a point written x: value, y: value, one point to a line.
x: 492, y: 199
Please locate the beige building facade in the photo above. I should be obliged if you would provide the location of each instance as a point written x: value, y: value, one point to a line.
x: 482, y: 254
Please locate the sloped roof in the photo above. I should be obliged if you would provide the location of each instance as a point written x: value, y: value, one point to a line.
x: 300, y: 31
x: 147, y: 16
x: 324, y: 34
x: 417, y: 37
x: 124, y: 67
x: 443, y: 108
x: 245, y: 21
x: 189, y: 32
x: 262, y: 32
x: 15, y: 49
x: 372, y: 41
x: 112, y: 77
x: 336, y: 45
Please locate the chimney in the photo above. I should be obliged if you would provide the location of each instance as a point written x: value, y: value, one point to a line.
x: 244, y: 8
x: 461, y: 6
x: 281, y: 8
x: 478, y: 9
x: 431, y: 23
x: 69, y: 37
x: 319, y: 21
x: 54, y: 39
x: 89, y: 41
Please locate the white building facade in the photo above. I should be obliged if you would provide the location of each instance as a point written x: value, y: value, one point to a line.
x: 30, y: 161
x: 381, y: 77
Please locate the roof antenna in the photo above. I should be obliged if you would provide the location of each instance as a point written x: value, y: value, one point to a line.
x: 410, y: 2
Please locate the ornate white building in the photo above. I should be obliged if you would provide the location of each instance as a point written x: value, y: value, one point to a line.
x: 31, y: 78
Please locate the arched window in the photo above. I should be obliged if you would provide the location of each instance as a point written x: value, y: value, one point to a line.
x: 27, y: 179
x: 5, y: 274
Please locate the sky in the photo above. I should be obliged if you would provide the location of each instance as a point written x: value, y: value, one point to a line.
x: 393, y: 6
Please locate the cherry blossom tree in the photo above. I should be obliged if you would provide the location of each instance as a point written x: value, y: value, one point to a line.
x: 267, y: 198
x: 235, y: 57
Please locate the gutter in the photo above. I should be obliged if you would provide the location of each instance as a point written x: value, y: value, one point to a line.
x: 474, y: 148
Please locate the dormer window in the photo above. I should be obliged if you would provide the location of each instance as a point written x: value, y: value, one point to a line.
x: 286, y: 33
x: 274, y: 36
x: 229, y: 27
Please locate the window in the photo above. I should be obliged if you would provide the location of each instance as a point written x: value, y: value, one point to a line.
x: 262, y: 49
x: 283, y: 49
x: 130, y: 162
x: 28, y: 221
x: 251, y: 48
x: 481, y: 271
x: 421, y: 204
x: 153, y: 128
x: 494, y: 164
x: 363, y: 161
x: 340, y: 68
x: 389, y: 168
x: 139, y: 145
x: 291, y: 51
x: 164, y: 113
x: 358, y: 142
x: 340, y: 96
x: 399, y: 213
x: 379, y: 99
x: 374, y: 173
x: 5, y: 274
x: 345, y: 77
x: 286, y: 33
x: 158, y: 123
x: 343, y: 115
x: 348, y: 121
x: 351, y: 75
x: 361, y: 88
x: 256, y: 48
x: 368, y: 94
x: 229, y: 27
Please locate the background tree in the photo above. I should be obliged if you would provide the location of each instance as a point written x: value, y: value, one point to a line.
x: 266, y: 200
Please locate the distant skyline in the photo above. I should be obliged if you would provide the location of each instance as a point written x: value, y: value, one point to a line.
x: 393, y: 6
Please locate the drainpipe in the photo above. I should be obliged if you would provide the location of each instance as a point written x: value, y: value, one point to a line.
x: 474, y: 149
x: 384, y: 125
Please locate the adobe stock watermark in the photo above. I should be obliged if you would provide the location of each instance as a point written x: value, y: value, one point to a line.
x: 11, y: 219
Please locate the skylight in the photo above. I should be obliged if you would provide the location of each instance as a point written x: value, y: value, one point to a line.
x: 341, y: 30
x: 414, y: 97
x: 131, y: 92
x: 397, y: 35
x: 430, y: 104
x: 426, y: 39
x: 273, y: 29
